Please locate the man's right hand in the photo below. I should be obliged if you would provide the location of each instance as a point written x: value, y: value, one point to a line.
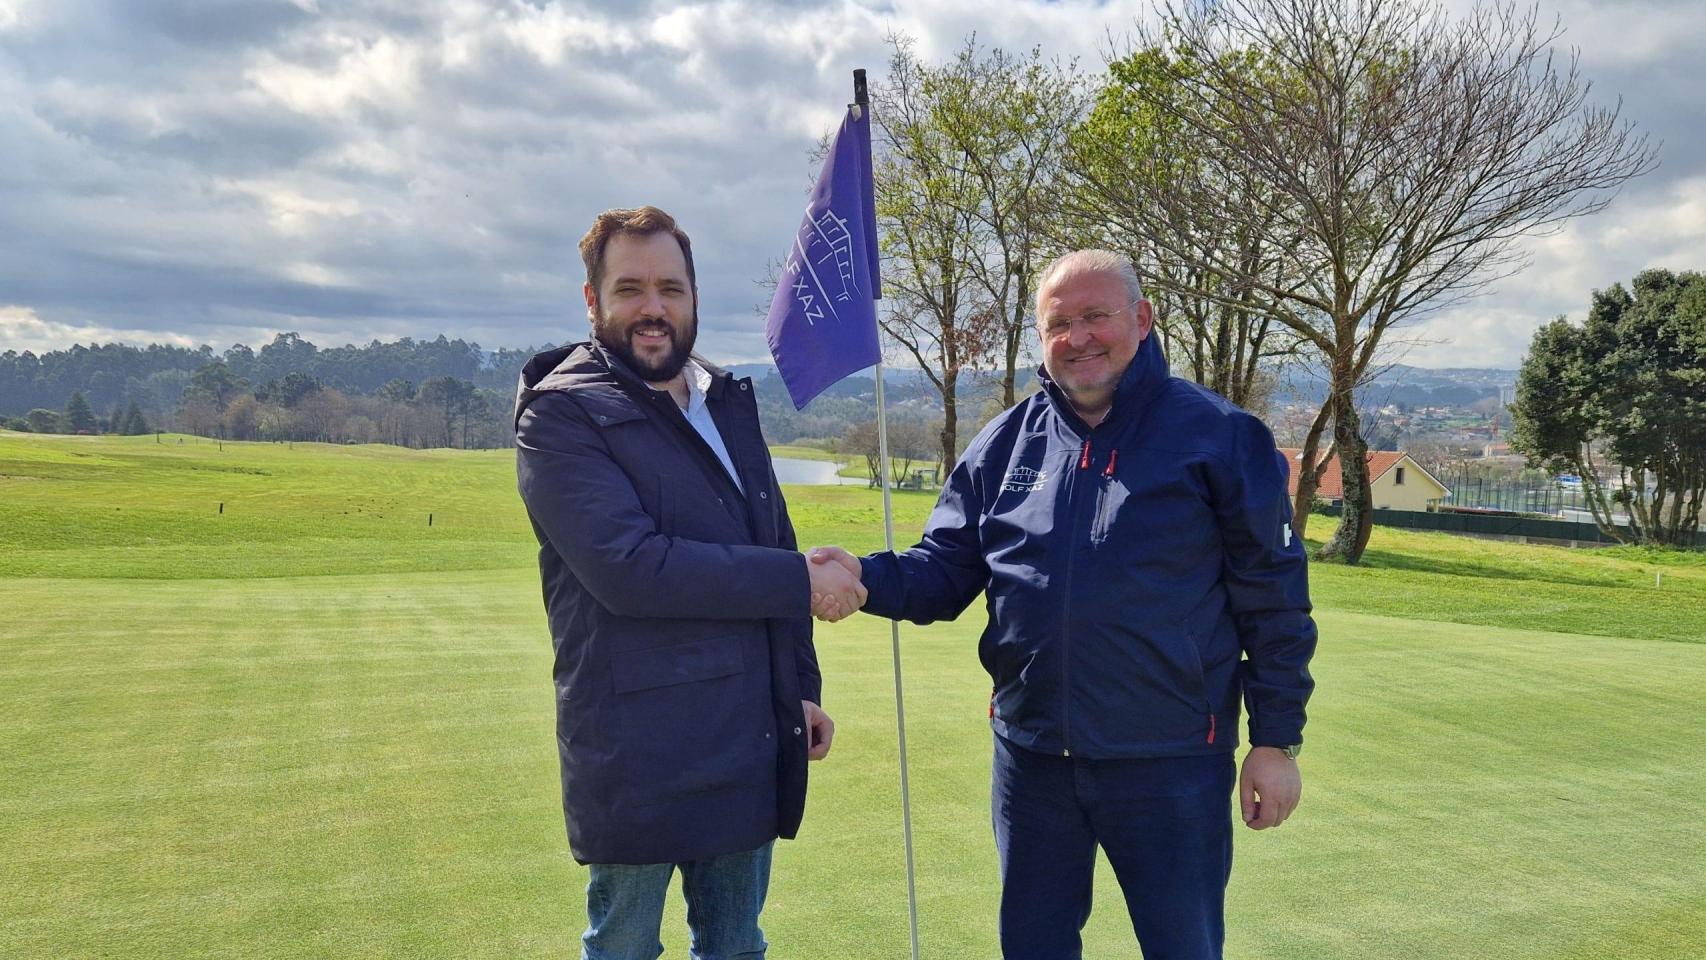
x: 836, y: 590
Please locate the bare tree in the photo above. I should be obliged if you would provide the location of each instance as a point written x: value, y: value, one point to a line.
x: 1396, y: 155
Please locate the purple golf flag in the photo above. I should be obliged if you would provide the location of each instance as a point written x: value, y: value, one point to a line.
x: 823, y: 318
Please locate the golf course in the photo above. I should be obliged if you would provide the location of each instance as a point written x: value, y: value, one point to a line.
x: 294, y: 701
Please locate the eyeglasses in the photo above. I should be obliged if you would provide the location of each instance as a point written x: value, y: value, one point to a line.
x: 1093, y: 320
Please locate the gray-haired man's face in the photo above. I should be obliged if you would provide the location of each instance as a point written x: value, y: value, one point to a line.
x: 1090, y: 331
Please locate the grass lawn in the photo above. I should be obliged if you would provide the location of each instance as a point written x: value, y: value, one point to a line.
x: 314, y: 726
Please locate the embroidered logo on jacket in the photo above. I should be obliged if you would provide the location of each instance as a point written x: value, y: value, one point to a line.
x: 1024, y: 479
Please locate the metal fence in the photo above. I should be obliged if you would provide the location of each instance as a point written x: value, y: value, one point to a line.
x: 1531, y: 492
x: 1533, y: 528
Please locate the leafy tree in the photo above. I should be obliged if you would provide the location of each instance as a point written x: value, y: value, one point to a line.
x: 397, y: 391
x: 45, y: 421
x: 1626, y: 390
x: 1220, y: 333
x: 1006, y: 119
x: 216, y: 385
x: 287, y: 353
x: 927, y: 201
x: 16, y: 423
x: 289, y: 390
x: 79, y: 418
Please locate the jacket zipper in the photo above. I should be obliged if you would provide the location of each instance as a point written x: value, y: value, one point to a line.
x: 1103, y: 523
x: 1066, y: 615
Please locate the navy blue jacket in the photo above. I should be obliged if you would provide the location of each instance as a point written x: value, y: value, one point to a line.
x: 679, y: 610
x: 1138, y: 575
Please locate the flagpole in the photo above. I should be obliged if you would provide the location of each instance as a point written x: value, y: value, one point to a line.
x: 861, y: 102
x: 899, y: 696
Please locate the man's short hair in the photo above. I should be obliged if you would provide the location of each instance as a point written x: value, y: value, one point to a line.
x: 1090, y: 261
x: 640, y: 221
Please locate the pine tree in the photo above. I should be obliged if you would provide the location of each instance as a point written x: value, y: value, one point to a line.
x: 134, y: 424
x: 79, y: 418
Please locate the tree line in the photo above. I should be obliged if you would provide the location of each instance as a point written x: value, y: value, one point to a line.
x: 421, y: 393
x: 155, y: 376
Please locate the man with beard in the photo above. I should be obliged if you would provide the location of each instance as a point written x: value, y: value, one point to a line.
x: 679, y: 607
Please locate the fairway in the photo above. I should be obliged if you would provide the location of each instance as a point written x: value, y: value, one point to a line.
x: 314, y: 726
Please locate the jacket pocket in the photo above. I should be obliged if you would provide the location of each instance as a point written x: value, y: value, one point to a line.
x: 689, y: 719
x: 679, y: 663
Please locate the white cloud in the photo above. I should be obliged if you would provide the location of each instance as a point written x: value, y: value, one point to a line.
x: 1659, y: 228
x: 551, y: 34
x: 21, y: 329
x: 288, y: 210
x: 18, y: 16
x: 381, y: 73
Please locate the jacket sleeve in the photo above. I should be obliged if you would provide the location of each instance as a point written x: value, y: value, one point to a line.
x: 940, y: 576
x: 584, y: 505
x: 1267, y: 584
x: 799, y: 629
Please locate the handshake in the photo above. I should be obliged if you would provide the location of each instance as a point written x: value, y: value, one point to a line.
x: 836, y: 587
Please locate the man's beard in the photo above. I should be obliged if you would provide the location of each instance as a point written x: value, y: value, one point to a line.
x: 620, y: 342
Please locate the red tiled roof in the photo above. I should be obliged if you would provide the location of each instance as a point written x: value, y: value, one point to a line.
x: 1332, y: 484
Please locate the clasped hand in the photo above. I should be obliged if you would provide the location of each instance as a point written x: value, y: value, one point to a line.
x: 835, y: 578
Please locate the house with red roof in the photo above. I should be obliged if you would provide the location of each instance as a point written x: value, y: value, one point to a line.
x: 1398, y: 482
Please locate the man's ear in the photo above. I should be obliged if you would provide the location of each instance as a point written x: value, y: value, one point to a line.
x: 591, y: 296
x: 1145, y: 319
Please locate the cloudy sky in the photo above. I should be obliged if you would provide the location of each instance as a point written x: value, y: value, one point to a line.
x: 216, y: 171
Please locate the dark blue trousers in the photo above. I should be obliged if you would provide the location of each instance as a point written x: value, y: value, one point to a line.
x: 1166, y: 825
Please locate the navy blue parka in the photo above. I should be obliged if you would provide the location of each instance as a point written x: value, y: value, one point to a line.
x: 1139, y: 575
x: 679, y: 611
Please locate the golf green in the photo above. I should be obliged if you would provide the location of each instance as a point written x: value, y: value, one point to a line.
x: 315, y: 726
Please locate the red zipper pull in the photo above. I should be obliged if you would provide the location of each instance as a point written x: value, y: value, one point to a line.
x: 992, y: 703
x: 1084, y: 458
x: 1113, y: 458
x: 1211, y: 728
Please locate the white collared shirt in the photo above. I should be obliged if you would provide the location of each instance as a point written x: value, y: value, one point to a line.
x: 699, y: 415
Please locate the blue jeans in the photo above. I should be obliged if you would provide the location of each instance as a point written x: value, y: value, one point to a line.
x: 624, y: 907
x: 1165, y: 824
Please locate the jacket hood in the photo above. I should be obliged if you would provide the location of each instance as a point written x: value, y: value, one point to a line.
x: 587, y: 362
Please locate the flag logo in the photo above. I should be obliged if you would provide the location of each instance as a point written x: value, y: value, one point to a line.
x: 824, y: 245
x: 823, y: 318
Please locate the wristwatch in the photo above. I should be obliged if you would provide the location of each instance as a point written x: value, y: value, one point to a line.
x: 1290, y: 752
